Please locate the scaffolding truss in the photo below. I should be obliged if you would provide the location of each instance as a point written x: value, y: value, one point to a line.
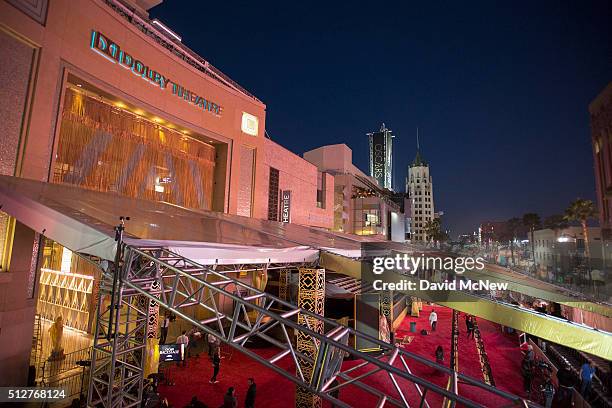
x: 240, y: 313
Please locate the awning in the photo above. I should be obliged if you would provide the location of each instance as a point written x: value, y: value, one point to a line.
x: 83, y: 221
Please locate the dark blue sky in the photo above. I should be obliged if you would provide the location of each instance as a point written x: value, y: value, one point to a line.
x: 500, y: 92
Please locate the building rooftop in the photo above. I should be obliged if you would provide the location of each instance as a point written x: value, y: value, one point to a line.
x: 418, y: 160
x: 135, y: 13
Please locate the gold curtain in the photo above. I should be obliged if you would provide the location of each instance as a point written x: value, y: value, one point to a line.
x: 105, y: 148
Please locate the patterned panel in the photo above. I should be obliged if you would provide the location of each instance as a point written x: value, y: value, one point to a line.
x: 273, y: 184
x: 14, y: 74
x: 311, y: 297
x: 386, y: 304
x: 33, y: 266
x: 153, y: 321
x: 283, y: 283
x: 37, y: 9
x: 245, y: 192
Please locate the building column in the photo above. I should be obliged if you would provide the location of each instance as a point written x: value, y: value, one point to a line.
x: 311, y: 297
x: 18, y: 307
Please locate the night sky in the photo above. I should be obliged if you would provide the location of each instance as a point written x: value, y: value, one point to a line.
x: 500, y: 93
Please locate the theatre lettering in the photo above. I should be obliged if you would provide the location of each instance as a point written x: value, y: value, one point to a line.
x: 112, y: 51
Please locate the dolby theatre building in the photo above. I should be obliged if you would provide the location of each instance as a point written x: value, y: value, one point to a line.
x: 97, y: 95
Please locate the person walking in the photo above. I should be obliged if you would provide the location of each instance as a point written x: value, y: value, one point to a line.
x: 249, y: 401
x: 194, y: 339
x: 229, y: 400
x: 527, y: 372
x: 469, y: 323
x: 433, y: 319
x: 548, y: 390
x: 165, y: 325
x: 564, y: 397
x: 586, y: 377
x: 216, y: 365
x: 183, y: 339
x: 440, y: 355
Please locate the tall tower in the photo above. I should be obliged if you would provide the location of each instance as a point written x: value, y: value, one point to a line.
x: 419, y: 187
x: 381, y: 156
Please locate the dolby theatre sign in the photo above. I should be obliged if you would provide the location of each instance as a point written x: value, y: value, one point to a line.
x: 113, y: 52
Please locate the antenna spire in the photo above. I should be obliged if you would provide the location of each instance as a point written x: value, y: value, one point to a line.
x: 418, y: 147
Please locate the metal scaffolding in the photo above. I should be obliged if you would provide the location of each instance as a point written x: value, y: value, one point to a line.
x: 175, y: 283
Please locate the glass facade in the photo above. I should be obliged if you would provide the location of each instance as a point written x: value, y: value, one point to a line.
x: 106, y: 148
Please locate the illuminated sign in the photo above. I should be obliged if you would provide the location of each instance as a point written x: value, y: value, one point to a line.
x: 171, y: 352
x: 250, y: 124
x: 378, y: 157
x: 113, y: 52
x: 286, y: 206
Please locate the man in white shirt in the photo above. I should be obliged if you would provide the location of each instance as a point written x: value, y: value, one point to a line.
x: 183, y: 339
x: 433, y: 319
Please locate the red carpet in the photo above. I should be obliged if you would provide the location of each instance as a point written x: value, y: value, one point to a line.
x: 275, y: 391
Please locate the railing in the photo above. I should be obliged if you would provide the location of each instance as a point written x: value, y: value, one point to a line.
x: 70, y: 374
x: 454, y: 360
x: 482, y: 354
x: 582, y: 287
x: 58, y: 367
x: 35, y: 355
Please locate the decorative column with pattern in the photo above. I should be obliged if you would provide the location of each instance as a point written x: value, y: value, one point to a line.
x: 386, y: 309
x: 283, y: 283
x: 311, y: 297
x: 152, y: 342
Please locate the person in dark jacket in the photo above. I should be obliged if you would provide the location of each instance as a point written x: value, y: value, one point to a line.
x: 469, y: 325
x: 195, y: 403
x: 249, y: 401
x: 216, y: 363
x: 527, y: 371
x: 229, y: 400
x: 440, y: 355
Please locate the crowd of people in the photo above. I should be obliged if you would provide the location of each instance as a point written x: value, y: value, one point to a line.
x: 230, y: 399
x: 192, y: 345
x: 538, y: 377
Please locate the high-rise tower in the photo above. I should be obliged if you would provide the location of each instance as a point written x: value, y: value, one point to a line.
x: 381, y: 156
x: 419, y: 187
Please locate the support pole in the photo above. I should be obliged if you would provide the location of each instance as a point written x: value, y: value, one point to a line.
x: 120, y: 349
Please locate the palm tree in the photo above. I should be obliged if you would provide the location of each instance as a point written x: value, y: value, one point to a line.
x: 512, y: 226
x: 532, y: 221
x: 555, y: 222
x: 582, y: 210
x: 433, y: 229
